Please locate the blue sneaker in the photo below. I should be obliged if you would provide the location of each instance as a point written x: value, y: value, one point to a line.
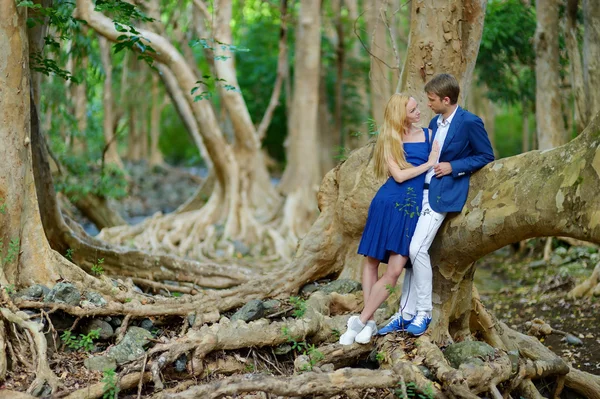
x: 396, y: 323
x: 419, y: 324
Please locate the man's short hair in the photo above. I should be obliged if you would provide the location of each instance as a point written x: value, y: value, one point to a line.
x: 444, y: 85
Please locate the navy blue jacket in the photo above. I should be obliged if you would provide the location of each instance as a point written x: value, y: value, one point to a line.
x: 468, y: 149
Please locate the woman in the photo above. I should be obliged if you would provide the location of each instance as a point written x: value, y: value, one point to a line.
x: 404, y: 153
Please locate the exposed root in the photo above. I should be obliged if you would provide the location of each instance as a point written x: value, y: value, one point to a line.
x: 43, y: 374
x: 97, y: 390
x: 133, y: 308
x: 310, y: 383
x: 468, y: 380
x: 192, y: 234
x: 586, y: 384
x: 590, y: 287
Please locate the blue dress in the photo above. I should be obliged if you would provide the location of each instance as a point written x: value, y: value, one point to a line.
x: 395, y: 209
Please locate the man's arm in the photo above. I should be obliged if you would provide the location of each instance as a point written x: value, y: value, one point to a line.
x: 482, y: 149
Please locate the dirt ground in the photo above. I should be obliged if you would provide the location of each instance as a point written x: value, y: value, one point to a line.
x: 520, y: 288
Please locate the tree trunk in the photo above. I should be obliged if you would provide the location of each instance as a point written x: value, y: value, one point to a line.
x: 525, y: 141
x: 301, y: 177
x: 24, y: 255
x: 380, y: 73
x: 575, y: 66
x: 98, y: 210
x: 111, y: 155
x: 358, y: 131
x: 247, y: 143
x: 329, y: 139
x: 231, y: 202
x: 78, y: 93
x: 444, y: 37
x: 481, y: 105
x: 548, y: 109
x: 156, y: 157
x: 591, y: 56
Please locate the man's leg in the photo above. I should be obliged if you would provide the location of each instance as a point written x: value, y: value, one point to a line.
x: 408, y: 302
x: 420, y: 287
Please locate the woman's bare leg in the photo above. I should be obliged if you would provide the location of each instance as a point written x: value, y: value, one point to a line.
x: 369, y: 276
x: 379, y: 291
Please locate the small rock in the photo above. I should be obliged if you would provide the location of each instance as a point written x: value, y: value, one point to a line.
x: 562, y: 251
x: 341, y: 286
x: 95, y: 299
x: 100, y: 363
x: 309, y: 289
x: 283, y: 349
x: 33, y: 293
x: 327, y: 368
x: 220, y: 253
x: 64, y: 293
x: 114, y: 321
x: 180, y: 363
x: 131, y: 346
x: 271, y: 306
x: 191, y: 318
x: 106, y: 330
x: 462, y: 352
x: 537, y: 263
x: 147, y: 324
x: 426, y: 372
x: 573, y: 340
x: 253, y: 310
x: 240, y: 248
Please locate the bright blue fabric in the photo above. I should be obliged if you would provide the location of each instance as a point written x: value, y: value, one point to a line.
x: 394, y: 211
x: 468, y: 149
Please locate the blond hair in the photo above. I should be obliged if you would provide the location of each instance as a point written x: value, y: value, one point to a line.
x: 389, y: 144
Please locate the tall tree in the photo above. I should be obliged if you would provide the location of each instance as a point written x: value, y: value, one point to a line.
x: 301, y: 176
x: 380, y: 50
x: 111, y: 155
x: 575, y: 65
x: 444, y: 39
x: 550, y: 126
x: 591, y: 56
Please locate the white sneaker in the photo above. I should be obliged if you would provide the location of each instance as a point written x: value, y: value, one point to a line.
x: 355, y: 326
x: 364, y: 337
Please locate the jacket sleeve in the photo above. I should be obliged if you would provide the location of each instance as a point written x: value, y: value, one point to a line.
x: 482, y: 152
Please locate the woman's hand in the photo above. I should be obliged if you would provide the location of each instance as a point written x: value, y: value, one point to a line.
x: 434, y: 154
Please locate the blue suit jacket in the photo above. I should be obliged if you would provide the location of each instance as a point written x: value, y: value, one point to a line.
x: 468, y: 149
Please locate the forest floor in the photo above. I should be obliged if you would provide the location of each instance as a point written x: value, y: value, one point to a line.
x: 519, y: 289
x: 516, y: 287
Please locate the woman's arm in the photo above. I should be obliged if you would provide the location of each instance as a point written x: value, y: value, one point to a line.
x: 401, y: 175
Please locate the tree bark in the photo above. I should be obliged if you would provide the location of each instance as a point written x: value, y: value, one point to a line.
x: 156, y: 157
x: 111, y: 155
x: 550, y: 127
x: 591, y: 56
x: 444, y: 37
x: 358, y: 131
x: 233, y: 187
x: 301, y: 177
x: 380, y: 74
x: 575, y: 66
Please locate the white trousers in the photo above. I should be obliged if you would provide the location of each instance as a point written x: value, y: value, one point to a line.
x: 417, y: 286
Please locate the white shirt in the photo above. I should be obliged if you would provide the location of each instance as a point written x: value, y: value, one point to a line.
x: 440, y: 136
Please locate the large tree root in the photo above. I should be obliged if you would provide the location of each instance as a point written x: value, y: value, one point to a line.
x: 64, y: 235
x: 589, y: 287
x: 536, y: 361
x: 43, y: 373
x: 300, y: 385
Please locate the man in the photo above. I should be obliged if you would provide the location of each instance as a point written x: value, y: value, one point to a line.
x: 465, y: 148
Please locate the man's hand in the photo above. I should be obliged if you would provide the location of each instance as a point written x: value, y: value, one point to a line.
x: 442, y: 169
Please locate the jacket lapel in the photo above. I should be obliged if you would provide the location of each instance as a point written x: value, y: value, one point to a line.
x: 454, y: 127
